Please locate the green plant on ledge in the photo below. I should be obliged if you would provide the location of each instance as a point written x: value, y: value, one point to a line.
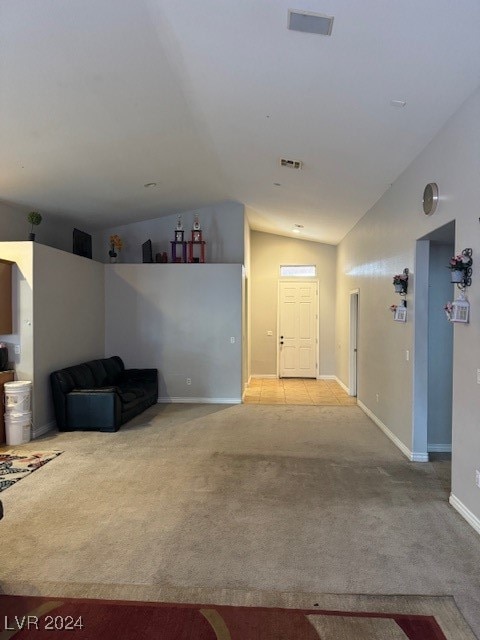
x: 34, y: 218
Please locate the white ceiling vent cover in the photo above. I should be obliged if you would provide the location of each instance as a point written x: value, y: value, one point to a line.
x: 291, y: 164
x: 310, y: 22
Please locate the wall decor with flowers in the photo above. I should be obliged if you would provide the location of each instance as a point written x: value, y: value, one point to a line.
x: 400, y: 282
x: 461, y: 274
x: 461, y: 269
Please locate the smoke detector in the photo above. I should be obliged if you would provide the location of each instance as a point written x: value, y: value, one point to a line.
x: 291, y: 164
x: 309, y: 22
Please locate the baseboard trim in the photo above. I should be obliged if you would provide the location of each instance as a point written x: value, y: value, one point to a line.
x: 266, y: 376
x: 45, y: 428
x: 439, y: 448
x: 471, y: 518
x: 180, y: 400
x: 344, y: 386
x: 411, y: 455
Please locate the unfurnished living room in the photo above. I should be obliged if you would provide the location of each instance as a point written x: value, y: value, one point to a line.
x: 239, y: 320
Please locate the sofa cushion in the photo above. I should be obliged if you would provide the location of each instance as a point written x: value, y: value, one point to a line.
x: 98, y: 371
x: 114, y: 367
x: 81, y: 376
x: 136, y: 391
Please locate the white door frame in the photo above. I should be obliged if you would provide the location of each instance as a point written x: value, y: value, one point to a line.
x: 353, y: 348
x: 317, y: 314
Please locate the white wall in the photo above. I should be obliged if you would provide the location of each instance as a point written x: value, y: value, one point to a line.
x: 222, y: 226
x: 247, y: 295
x: 178, y: 318
x: 268, y: 252
x: 382, y: 244
x: 52, y: 231
x: 69, y: 320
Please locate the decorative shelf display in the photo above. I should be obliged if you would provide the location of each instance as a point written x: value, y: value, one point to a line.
x: 179, y: 245
x: 196, y: 246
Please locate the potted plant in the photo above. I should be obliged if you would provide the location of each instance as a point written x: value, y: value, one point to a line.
x: 34, y: 218
x: 458, y: 265
x: 116, y: 244
x: 400, y: 282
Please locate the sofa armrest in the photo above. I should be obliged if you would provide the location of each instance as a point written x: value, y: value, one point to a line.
x: 94, y: 409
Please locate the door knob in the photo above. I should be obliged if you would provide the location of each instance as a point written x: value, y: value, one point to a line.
x: 281, y: 342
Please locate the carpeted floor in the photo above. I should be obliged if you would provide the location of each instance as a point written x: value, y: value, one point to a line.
x: 263, y: 499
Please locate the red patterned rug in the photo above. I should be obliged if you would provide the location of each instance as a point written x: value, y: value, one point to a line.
x: 27, y: 617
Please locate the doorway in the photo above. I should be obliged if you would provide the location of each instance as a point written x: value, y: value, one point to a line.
x: 298, y: 329
x: 433, y: 366
x: 353, y: 356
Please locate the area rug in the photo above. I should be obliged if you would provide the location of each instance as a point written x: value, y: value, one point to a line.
x: 24, y: 617
x: 15, y: 464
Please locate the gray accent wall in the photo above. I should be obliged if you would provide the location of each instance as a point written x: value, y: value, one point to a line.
x: 440, y: 350
x: 179, y: 318
x: 382, y: 244
x: 68, y: 319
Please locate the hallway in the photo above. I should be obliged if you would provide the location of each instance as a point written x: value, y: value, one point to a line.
x: 306, y: 391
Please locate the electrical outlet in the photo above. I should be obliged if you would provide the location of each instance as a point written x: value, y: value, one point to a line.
x: 17, y: 349
x: 188, y: 381
x: 407, y: 355
x: 377, y: 397
x: 232, y: 340
x: 477, y: 478
x: 269, y: 333
x: 478, y: 376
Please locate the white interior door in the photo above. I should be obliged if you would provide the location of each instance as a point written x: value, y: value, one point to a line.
x: 297, y: 324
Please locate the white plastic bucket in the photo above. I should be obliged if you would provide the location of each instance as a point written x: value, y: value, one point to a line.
x: 17, y: 396
x: 18, y: 427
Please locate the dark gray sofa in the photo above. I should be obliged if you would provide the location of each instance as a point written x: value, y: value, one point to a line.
x: 101, y: 395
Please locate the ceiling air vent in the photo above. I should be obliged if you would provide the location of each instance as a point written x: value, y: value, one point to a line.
x: 310, y: 22
x: 291, y: 164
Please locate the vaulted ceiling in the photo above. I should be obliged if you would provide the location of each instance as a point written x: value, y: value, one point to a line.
x: 100, y: 97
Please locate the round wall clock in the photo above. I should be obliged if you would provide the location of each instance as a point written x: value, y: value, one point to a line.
x: 430, y: 198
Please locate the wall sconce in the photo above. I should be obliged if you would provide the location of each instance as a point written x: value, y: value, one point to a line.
x: 461, y: 269
x: 399, y: 311
x: 458, y: 310
x: 400, y: 282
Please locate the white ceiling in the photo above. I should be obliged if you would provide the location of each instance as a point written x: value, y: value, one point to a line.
x: 99, y: 97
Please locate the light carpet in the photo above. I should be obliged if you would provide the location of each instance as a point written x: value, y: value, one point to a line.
x: 247, y: 497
